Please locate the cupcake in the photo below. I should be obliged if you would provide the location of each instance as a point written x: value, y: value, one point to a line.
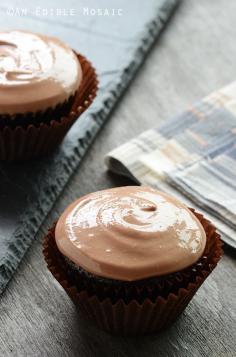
x: 44, y: 87
x: 131, y: 257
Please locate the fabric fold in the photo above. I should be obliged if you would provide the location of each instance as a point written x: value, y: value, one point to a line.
x: 192, y: 156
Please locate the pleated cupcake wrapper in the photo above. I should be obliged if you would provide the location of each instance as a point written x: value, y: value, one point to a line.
x: 135, y: 318
x: 36, y: 141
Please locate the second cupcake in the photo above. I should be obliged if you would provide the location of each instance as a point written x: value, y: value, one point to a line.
x: 44, y: 87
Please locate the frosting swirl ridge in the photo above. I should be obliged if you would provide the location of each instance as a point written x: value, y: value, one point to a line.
x: 130, y: 233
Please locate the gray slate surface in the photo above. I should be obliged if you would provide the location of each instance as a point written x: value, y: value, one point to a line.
x: 116, y: 46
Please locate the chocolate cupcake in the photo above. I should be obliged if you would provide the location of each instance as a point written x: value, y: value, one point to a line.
x: 132, y: 257
x: 44, y: 87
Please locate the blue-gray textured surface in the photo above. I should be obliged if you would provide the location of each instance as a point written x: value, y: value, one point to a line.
x: 116, y: 46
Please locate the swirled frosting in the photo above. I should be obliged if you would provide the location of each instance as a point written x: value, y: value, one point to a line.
x: 36, y: 72
x: 130, y: 233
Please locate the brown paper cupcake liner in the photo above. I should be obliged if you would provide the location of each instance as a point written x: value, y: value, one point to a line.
x: 39, y: 139
x: 142, y: 315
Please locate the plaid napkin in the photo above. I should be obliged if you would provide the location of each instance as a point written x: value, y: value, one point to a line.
x: 192, y: 156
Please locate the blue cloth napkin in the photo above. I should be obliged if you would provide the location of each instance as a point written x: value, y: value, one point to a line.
x: 192, y: 156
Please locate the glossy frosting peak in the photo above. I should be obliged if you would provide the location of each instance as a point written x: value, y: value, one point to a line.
x: 130, y: 233
x: 36, y: 72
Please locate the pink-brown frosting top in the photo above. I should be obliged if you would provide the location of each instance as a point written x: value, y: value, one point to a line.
x: 130, y: 233
x: 36, y: 72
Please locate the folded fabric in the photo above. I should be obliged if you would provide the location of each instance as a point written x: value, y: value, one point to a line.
x: 192, y: 156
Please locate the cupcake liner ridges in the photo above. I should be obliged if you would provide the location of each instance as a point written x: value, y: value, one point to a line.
x: 33, y: 141
x: 136, y: 315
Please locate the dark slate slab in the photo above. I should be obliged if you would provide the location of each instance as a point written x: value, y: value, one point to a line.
x: 116, y: 45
